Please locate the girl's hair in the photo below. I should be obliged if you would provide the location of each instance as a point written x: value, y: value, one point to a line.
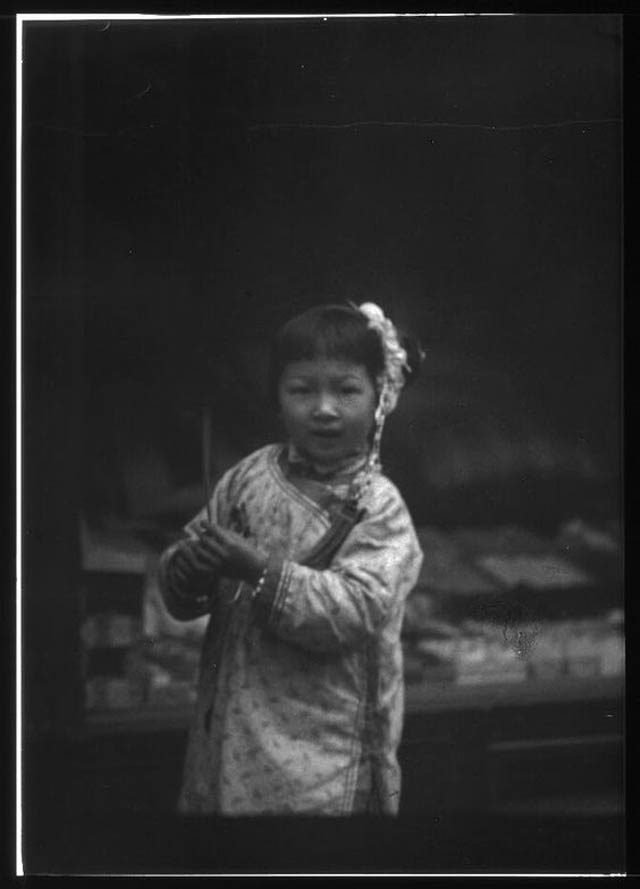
x: 332, y: 331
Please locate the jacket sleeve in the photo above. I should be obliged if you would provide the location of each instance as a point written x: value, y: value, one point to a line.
x: 190, y: 600
x: 370, y: 577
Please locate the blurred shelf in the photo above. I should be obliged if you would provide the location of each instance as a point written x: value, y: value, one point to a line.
x: 144, y: 719
x: 433, y: 696
x: 420, y: 698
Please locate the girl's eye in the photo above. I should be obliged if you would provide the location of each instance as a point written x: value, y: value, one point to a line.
x: 350, y: 390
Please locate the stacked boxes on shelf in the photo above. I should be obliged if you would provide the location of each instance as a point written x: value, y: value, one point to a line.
x: 492, y: 605
x: 170, y: 669
x: 502, y: 605
x: 115, y: 570
x: 135, y: 655
x: 110, y: 633
x: 486, y: 653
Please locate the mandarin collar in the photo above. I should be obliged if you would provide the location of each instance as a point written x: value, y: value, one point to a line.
x: 303, y: 465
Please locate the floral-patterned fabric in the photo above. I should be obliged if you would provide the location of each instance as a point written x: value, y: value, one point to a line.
x: 300, y: 697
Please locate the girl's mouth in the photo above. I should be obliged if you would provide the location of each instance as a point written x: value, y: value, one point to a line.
x: 328, y: 434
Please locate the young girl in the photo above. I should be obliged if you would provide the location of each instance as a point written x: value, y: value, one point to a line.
x: 303, y: 558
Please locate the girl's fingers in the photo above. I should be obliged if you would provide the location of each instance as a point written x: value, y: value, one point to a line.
x: 199, y: 560
x: 179, y: 572
x: 215, y: 540
x: 185, y: 560
x: 211, y: 532
x: 180, y: 559
x: 212, y: 548
x: 188, y: 561
x: 178, y: 565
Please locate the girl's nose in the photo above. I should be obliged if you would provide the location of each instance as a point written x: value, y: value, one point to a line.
x: 326, y: 406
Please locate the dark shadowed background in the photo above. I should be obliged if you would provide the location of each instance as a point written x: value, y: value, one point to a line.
x: 187, y: 186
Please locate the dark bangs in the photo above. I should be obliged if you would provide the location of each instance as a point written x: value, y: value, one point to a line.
x: 330, y: 331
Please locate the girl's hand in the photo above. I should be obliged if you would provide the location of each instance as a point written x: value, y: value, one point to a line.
x: 193, y: 561
x: 235, y: 555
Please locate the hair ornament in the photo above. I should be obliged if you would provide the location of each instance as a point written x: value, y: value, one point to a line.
x: 390, y: 383
x: 395, y: 357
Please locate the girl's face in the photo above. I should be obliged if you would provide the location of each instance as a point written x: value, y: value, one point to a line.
x: 328, y: 407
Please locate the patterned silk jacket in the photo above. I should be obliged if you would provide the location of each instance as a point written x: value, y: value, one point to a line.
x: 300, y: 694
